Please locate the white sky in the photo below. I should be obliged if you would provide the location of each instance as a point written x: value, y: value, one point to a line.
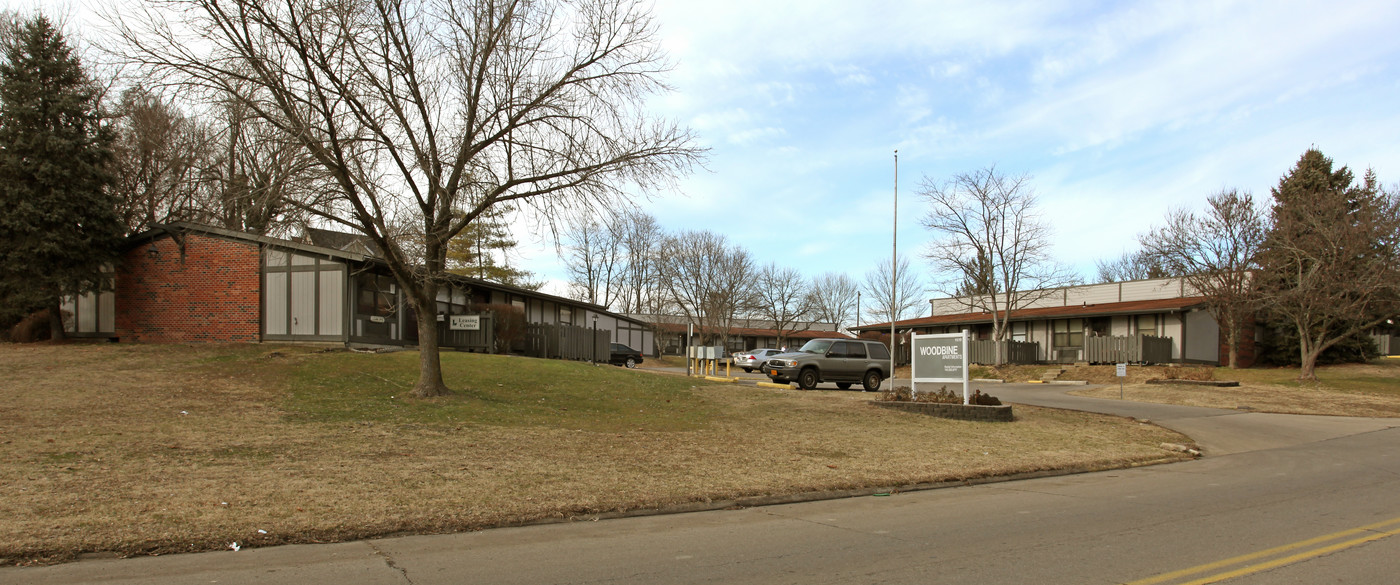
x: 1118, y: 110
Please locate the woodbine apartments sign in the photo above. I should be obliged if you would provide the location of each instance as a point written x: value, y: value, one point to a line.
x: 940, y: 358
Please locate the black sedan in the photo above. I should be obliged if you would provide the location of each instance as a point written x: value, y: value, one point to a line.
x: 624, y: 356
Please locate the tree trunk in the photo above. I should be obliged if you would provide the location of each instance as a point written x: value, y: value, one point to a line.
x: 56, y: 332
x: 1308, y: 352
x: 429, y: 358
x: 1232, y: 346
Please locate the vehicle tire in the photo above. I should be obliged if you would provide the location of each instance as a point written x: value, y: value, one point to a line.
x: 843, y: 385
x: 631, y: 362
x: 807, y: 379
x: 871, y: 382
x: 748, y: 370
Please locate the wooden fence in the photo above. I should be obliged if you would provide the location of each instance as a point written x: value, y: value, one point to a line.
x: 1138, y: 349
x: 568, y: 342
x: 1014, y: 352
x: 480, y: 340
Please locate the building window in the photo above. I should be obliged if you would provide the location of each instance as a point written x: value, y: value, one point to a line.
x: 1019, y: 330
x: 375, y: 295
x: 1147, y: 325
x: 1069, y: 333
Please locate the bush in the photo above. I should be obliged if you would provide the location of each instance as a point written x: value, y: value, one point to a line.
x: 941, y: 396
x: 509, y: 323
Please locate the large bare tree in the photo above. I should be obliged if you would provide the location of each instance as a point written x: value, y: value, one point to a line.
x: 782, y: 295
x: 993, y: 250
x: 593, y: 258
x: 157, y: 158
x: 708, y: 280
x: 893, y: 296
x: 834, y: 298
x: 431, y: 112
x: 1215, y: 253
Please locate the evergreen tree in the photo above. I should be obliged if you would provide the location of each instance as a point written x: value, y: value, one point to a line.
x: 482, y: 251
x: 57, y: 220
x: 1330, y: 263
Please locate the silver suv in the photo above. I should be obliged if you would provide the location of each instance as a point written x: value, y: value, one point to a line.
x: 843, y: 361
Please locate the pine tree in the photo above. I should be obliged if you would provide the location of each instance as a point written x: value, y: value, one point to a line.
x: 475, y: 251
x: 1330, y: 264
x: 57, y: 220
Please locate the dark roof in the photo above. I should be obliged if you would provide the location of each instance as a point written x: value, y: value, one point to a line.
x: 1071, y: 311
x: 357, y: 243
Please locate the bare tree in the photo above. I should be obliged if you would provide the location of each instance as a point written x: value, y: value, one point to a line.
x: 593, y: 258
x: 993, y: 250
x: 782, y: 296
x: 157, y: 156
x: 1139, y: 265
x: 834, y: 298
x: 639, y: 282
x: 707, y: 280
x: 904, y: 294
x: 431, y: 112
x: 1330, y: 262
x: 1215, y: 252
x: 256, y: 178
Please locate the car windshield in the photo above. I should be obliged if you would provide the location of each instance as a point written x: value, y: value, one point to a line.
x: 816, y: 346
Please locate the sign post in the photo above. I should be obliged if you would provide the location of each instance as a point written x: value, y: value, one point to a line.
x: 1122, y: 373
x: 939, y: 357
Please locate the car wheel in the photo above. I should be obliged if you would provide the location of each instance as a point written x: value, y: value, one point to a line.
x: 631, y: 362
x: 871, y: 381
x: 748, y: 370
x: 843, y: 385
x: 807, y: 379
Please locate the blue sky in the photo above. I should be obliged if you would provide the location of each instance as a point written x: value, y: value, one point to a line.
x: 1119, y: 112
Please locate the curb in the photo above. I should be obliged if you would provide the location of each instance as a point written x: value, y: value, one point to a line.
x: 787, y: 386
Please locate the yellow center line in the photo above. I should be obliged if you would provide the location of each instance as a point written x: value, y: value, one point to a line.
x: 1273, y: 551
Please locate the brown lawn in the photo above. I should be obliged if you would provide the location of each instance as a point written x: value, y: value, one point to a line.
x: 144, y: 449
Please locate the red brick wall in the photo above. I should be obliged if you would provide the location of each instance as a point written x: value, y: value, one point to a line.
x: 1247, y: 355
x: 210, y: 294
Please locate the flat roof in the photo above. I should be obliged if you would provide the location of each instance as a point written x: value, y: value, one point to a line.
x: 1061, y: 312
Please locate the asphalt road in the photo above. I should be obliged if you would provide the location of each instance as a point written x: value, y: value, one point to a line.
x: 1277, y: 499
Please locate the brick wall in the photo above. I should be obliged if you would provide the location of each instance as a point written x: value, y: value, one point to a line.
x: 1247, y: 353
x: 208, y: 294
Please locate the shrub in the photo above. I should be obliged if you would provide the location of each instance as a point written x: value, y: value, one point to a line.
x: 509, y: 323
x: 941, y: 396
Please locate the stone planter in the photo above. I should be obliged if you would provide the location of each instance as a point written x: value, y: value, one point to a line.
x: 972, y: 412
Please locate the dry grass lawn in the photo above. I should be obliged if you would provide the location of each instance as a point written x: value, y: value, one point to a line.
x: 143, y: 449
x: 1342, y: 390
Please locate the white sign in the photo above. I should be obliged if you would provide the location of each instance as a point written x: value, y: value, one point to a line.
x: 1122, y: 370
x: 464, y: 323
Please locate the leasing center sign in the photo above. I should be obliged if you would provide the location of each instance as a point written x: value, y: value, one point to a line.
x: 940, y: 358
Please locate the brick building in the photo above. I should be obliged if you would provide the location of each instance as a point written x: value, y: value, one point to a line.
x: 191, y: 283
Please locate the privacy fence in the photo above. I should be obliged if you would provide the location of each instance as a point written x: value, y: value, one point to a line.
x: 1138, y: 349
x: 567, y: 342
